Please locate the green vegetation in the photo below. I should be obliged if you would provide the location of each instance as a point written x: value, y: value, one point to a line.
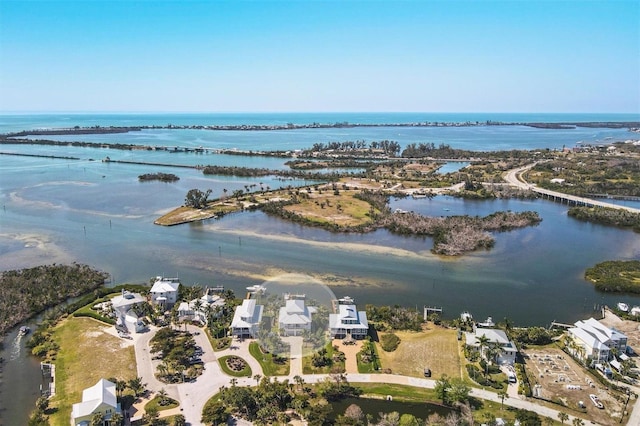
x: 533, y: 335
x: 327, y: 360
x: 161, y: 402
x: 606, y: 216
x: 26, y: 292
x: 393, y: 318
x: 163, y: 177
x: 87, y: 353
x: 367, y: 359
x: 389, y: 342
x: 177, y: 350
x: 272, y: 401
x: 615, y: 276
x: 197, y: 199
x: 272, y: 365
x: 235, y: 366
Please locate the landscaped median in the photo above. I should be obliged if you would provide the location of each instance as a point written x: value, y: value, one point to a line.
x: 271, y: 364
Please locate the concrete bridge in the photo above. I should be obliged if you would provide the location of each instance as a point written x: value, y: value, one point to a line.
x: 514, y: 178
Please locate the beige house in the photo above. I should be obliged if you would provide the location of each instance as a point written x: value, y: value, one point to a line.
x: 99, y: 398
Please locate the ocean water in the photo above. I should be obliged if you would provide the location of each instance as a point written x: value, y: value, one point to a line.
x: 88, y: 211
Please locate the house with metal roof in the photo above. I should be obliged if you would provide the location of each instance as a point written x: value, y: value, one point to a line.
x: 295, y: 317
x: 596, y: 341
x: 348, y: 321
x: 246, y: 319
x: 495, y: 337
x: 164, y: 292
x: 99, y: 398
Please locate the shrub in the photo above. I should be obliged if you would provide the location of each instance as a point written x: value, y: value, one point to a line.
x: 389, y: 342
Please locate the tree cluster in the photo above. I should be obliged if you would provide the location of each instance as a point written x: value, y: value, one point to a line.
x: 26, y: 292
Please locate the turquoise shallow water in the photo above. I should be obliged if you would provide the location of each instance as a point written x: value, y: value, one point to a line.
x: 54, y: 210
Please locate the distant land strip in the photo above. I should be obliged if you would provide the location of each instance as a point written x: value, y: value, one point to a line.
x: 39, y: 156
x: 77, y: 130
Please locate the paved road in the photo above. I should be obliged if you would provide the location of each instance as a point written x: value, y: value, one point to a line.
x: 513, y: 178
x: 193, y: 395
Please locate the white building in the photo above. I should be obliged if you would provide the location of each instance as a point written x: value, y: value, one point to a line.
x: 348, y: 321
x: 295, y: 317
x: 164, y: 292
x: 125, y: 315
x: 595, y: 341
x: 197, y: 309
x: 99, y: 398
x: 246, y: 319
x: 496, y: 337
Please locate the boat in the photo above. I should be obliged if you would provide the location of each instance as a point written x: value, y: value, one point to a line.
x: 596, y: 401
x: 488, y: 323
x: 254, y: 289
x: 24, y: 330
x: 623, y: 307
x: 635, y: 311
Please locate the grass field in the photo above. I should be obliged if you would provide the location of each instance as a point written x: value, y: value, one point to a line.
x: 342, y: 209
x: 269, y: 367
x: 86, y: 355
x: 435, y: 348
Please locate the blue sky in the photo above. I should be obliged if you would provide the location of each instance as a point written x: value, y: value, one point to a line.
x: 215, y: 56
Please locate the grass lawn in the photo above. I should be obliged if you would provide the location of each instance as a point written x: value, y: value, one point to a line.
x: 435, y: 348
x: 269, y: 367
x: 342, y: 209
x: 155, y: 403
x: 86, y: 355
x: 405, y: 393
x: 369, y: 367
x: 218, y: 344
x: 245, y: 372
x: 333, y: 367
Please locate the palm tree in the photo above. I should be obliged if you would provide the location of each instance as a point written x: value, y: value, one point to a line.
x: 578, y: 422
x: 257, y: 378
x: 116, y: 419
x: 502, y: 394
x: 121, y: 385
x: 563, y: 417
x: 97, y: 419
x: 162, y: 394
x: 482, y: 340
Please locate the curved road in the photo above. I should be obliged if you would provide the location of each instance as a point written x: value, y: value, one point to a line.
x: 513, y: 178
x: 194, y: 395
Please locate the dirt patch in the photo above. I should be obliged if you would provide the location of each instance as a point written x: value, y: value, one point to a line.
x: 350, y: 351
x: 435, y: 348
x: 555, y: 376
x: 630, y: 328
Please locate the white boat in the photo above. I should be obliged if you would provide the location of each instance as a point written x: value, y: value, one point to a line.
x: 488, y: 323
x: 254, y: 289
x: 623, y: 307
x: 635, y: 311
x: 24, y: 330
x: 596, y: 401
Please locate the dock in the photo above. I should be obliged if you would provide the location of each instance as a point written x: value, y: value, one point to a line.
x: 431, y: 310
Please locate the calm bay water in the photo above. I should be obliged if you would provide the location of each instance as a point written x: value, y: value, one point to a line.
x: 54, y: 210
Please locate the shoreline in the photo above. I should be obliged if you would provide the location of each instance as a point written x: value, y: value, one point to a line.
x: 340, y: 125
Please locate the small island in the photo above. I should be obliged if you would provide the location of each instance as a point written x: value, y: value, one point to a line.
x: 615, y: 276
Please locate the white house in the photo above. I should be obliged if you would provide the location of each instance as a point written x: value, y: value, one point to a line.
x: 197, y: 309
x: 595, y: 341
x: 164, y: 292
x: 295, y: 317
x: 99, y: 398
x: 123, y: 305
x: 348, y: 321
x: 246, y: 319
x: 508, y: 350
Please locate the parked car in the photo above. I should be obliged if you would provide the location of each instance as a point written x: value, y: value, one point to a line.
x: 427, y: 372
